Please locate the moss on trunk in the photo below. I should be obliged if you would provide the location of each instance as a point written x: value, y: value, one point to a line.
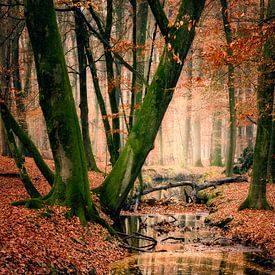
x: 256, y: 198
x: 71, y: 186
x: 27, y: 142
x: 19, y: 160
x: 117, y: 185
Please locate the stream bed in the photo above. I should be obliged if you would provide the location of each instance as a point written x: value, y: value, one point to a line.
x: 182, y: 244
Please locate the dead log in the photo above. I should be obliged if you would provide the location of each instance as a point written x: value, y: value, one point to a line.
x: 196, y: 187
x: 218, y: 182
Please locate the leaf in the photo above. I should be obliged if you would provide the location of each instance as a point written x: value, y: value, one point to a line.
x: 190, y: 24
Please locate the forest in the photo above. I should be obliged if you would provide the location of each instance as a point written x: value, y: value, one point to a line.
x: 137, y: 137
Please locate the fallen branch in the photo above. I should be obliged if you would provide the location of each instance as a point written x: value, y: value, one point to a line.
x: 173, y: 238
x: 145, y: 248
x: 218, y: 182
x: 195, y: 186
x: 165, y: 187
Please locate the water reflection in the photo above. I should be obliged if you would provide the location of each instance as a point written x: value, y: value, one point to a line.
x: 166, y: 263
x: 181, y: 248
x: 172, y: 232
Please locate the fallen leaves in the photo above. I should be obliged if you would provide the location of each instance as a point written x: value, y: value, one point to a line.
x: 256, y: 227
x: 43, y: 241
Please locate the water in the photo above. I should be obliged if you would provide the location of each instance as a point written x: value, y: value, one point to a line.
x: 181, y: 244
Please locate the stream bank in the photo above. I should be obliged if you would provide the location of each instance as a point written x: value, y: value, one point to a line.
x: 226, y: 241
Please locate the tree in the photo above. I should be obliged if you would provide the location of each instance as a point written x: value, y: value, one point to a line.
x: 256, y: 198
x: 231, y: 143
x: 71, y: 186
x: 178, y: 39
x: 82, y: 65
x: 216, y: 150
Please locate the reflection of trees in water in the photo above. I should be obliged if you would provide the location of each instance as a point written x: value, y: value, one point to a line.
x: 187, y: 263
x: 161, y: 263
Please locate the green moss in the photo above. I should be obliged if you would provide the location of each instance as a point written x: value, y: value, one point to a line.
x: 208, y: 197
x: 34, y: 203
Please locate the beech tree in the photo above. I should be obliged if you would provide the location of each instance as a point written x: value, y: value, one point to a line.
x: 231, y: 143
x: 256, y: 198
x: 71, y: 186
x: 178, y: 39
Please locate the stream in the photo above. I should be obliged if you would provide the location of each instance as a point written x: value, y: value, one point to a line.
x: 182, y: 244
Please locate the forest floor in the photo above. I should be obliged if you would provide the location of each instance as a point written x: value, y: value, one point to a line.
x: 43, y: 241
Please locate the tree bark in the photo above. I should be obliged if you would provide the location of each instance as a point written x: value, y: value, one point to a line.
x: 119, y: 182
x: 256, y: 198
x: 71, y: 185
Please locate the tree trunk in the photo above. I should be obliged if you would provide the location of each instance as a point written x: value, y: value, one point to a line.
x: 271, y: 161
x: 71, y: 185
x: 197, y: 141
x: 19, y: 92
x: 26, y: 141
x: 197, y: 66
x: 5, y: 81
x: 19, y: 160
x: 113, y: 88
x: 187, y: 118
x: 256, y: 198
x: 231, y: 142
x: 140, y: 16
x: 119, y: 182
x: 216, y: 149
x: 84, y: 110
x: 107, y: 128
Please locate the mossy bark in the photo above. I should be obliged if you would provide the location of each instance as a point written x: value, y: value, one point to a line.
x: 84, y: 110
x: 256, y: 198
x: 119, y: 182
x: 71, y: 185
x: 19, y: 160
x: 27, y: 142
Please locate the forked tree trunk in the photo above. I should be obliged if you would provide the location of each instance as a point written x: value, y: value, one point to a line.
x: 179, y: 37
x: 256, y: 198
x: 71, y: 185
